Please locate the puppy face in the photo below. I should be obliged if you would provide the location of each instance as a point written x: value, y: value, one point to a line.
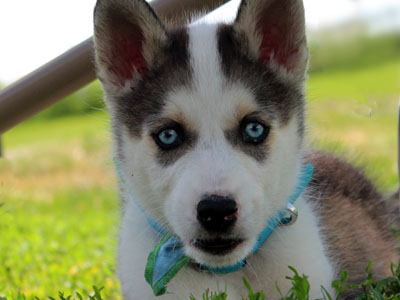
x: 207, y: 119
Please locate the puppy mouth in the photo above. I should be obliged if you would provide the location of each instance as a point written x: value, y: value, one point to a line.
x: 217, y: 246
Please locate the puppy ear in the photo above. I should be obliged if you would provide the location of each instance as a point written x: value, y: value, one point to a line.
x: 276, y: 33
x: 127, y: 37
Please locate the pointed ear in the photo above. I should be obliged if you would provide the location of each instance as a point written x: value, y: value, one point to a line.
x: 276, y: 33
x: 127, y: 37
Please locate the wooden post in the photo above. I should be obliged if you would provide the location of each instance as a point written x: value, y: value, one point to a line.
x: 73, y: 70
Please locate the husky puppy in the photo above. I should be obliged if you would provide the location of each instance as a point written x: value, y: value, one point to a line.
x: 208, y: 126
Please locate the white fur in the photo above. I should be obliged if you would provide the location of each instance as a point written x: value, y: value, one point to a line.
x: 169, y: 195
x: 299, y: 246
x: 214, y: 166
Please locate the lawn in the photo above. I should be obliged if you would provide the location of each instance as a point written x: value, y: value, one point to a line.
x: 354, y: 112
x: 59, y: 213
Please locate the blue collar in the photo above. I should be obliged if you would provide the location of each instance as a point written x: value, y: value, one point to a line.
x: 168, y: 257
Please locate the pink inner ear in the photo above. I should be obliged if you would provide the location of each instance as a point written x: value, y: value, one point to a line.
x: 127, y: 51
x: 273, y: 44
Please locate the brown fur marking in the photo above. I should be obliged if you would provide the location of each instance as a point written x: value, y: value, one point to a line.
x: 353, y: 219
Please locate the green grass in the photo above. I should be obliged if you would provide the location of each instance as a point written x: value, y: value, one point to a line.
x: 84, y: 101
x: 48, y: 246
x: 355, y: 112
x: 59, y: 213
x: 348, y: 50
x: 68, y: 128
x: 370, y: 289
x: 365, y: 85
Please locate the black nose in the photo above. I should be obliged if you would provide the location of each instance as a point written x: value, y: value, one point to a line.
x: 217, y: 214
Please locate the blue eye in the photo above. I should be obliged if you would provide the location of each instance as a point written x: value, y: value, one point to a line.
x: 168, y: 138
x: 254, y: 132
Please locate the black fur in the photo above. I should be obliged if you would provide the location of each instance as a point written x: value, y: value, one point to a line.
x: 145, y: 102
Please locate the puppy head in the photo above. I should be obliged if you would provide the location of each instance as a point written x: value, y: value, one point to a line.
x: 207, y: 119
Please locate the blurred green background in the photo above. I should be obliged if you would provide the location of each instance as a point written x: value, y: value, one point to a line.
x: 59, y: 206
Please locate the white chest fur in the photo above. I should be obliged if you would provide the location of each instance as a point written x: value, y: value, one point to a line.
x: 299, y: 245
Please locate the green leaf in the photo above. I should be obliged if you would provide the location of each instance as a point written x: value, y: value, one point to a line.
x: 344, y: 276
x: 367, y: 283
x: 300, y: 285
x: 97, y: 292
x: 377, y: 294
x: 278, y: 289
x: 192, y: 297
x: 326, y: 294
x: 79, y: 296
x: 248, y: 287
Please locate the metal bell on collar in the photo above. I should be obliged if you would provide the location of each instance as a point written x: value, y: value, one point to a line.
x: 291, y: 215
